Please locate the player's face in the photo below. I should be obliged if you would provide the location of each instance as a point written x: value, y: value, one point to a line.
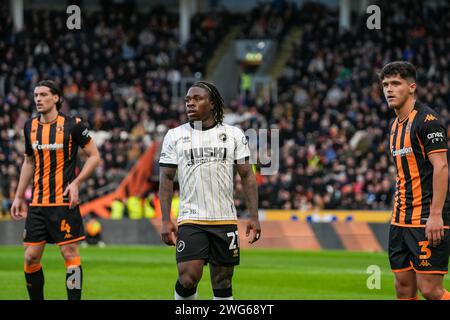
x: 44, y: 99
x: 198, y: 105
x: 397, y: 90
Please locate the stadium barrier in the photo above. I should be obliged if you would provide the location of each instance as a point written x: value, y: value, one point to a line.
x: 326, y: 215
x: 298, y: 235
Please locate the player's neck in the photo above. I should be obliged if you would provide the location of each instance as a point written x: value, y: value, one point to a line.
x: 49, y: 117
x: 205, y: 124
x: 405, y: 110
x: 208, y: 123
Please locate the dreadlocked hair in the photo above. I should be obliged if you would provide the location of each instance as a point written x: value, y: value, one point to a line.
x: 216, y: 98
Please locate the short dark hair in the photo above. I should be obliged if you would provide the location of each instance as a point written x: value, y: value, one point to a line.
x: 54, y: 88
x: 404, y: 69
x: 216, y: 98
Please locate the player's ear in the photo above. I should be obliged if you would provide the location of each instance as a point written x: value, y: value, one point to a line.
x: 412, y: 87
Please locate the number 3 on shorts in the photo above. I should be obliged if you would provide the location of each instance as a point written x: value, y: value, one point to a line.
x: 426, y: 252
x: 234, y: 239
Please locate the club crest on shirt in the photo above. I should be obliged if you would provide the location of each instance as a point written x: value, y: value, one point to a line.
x: 223, y: 137
x: 59, y: 129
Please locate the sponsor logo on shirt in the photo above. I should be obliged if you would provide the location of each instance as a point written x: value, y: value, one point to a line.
x: 53, y: 146
x: 401, y: 152
x: 435, y: 137
x: 205, y: 152
x: 430, y: 117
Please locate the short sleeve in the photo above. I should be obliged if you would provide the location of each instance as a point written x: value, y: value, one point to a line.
x: 241, y: 151
x: 168, y: 156
x: 26, y: 134
x: 80, y: 134
x: 433, y: 134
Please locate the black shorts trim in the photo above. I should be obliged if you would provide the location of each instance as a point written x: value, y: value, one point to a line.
x: 169, y: 165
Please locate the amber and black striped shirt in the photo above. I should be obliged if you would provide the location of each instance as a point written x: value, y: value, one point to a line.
x: 54, y: 147
x: 411, y: 141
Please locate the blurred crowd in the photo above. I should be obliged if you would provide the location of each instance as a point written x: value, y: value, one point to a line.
x: 269, y: 20
x: 331, y: 111
x: 116, y: 74
x: 118, y: 71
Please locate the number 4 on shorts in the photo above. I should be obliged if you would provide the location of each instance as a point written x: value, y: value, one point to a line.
x: 65, y: 226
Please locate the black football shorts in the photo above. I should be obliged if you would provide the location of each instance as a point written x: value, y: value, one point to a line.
x: 216, y: 244
x: 409, y: 249
x: 47, y: 224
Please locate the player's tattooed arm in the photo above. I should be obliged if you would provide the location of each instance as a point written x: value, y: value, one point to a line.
x: 251, y: 194
x: 166, y: 178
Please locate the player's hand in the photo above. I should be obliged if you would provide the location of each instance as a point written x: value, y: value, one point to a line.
x: 18, y: 209
x: 253, y: 224
x: 434, y: 229
x: 72, y: 191
x: 169, y: 232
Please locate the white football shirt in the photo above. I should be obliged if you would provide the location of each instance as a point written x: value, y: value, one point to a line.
x: 205, y: 160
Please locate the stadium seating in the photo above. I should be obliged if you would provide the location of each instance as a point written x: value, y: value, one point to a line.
x: 116, y: 74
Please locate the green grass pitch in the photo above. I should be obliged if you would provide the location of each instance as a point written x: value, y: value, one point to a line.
x: 149, y: 272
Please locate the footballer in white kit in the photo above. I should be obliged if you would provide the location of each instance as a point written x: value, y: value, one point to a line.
x: 205, y: 158
x: 205, y: 153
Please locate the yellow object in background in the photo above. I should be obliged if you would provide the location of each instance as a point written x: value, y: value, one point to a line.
x: 93, y: 227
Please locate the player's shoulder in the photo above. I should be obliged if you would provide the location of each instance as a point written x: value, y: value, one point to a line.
x: 182, y: 127
x: 70, y: 119
x: 176, y: 133
x: 425, y: 113
x: 76, y: 119
x: 29, y: 122
x: 179, y: 129
x: 391, y: 125
x: 235, y: 130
